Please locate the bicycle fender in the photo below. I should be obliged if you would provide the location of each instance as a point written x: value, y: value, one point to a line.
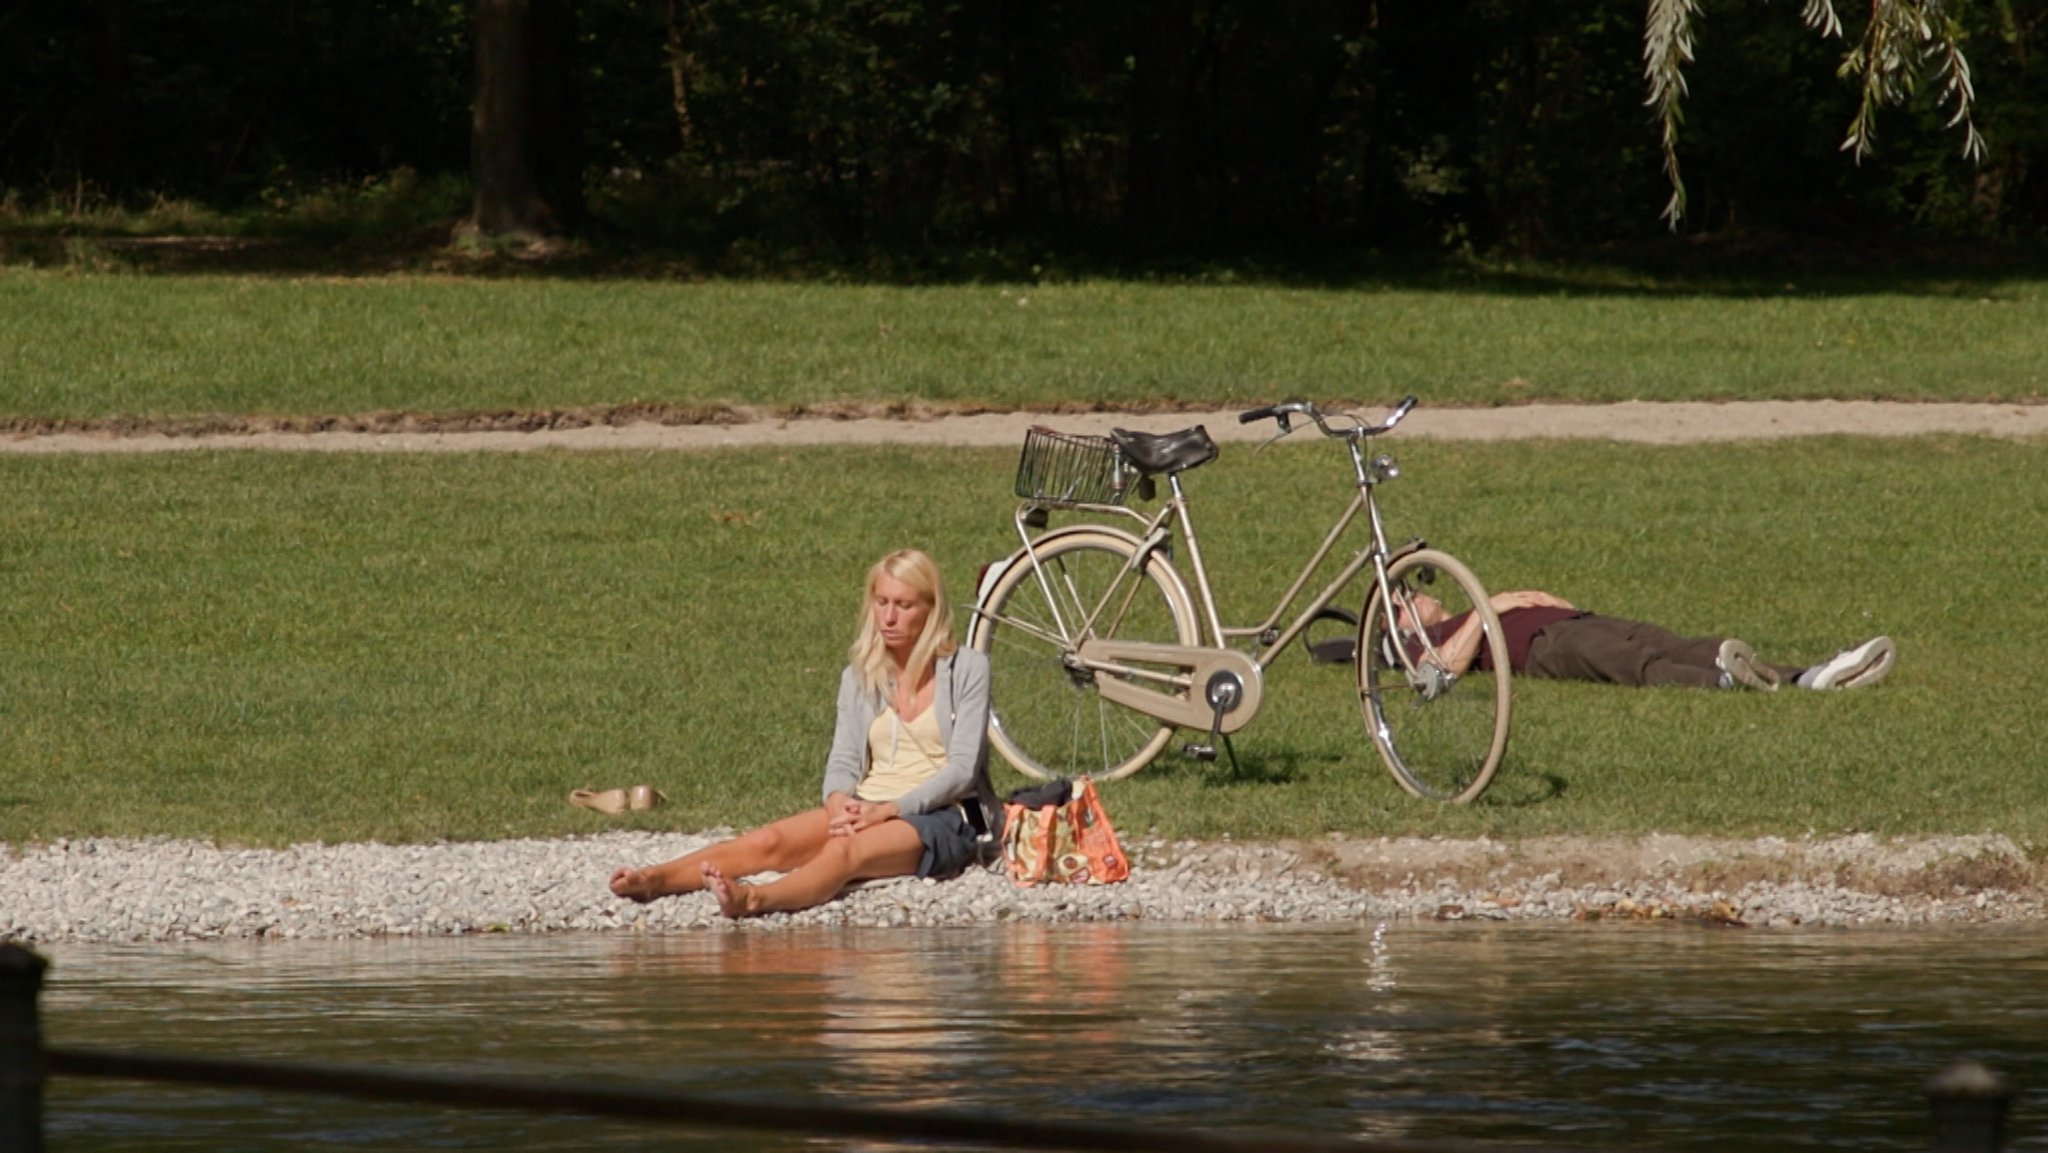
x: 994, y: 571
x: 991, y: 573
x: 1415, y: 545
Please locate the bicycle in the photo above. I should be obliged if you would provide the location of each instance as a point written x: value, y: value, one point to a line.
x: 1098, y: 653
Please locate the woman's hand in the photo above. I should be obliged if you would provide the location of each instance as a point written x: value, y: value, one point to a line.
x: 856, y: 815
x: 838, y: 821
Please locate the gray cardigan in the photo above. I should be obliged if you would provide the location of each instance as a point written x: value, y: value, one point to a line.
x: 960, y: 701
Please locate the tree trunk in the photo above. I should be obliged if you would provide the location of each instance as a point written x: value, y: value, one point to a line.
x: 526, y: 137
x: 681, y: 61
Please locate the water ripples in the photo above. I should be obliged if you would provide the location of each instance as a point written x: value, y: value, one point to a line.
x: 1597, y: 1036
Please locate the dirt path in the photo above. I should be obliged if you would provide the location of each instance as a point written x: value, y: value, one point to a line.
x: 1648, y: 423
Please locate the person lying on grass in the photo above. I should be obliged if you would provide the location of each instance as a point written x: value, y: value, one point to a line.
x: 1548, y: 637
x: 906, y: 751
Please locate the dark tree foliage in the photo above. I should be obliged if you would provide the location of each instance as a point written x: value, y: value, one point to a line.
x: 224, y: 99
x: 1161, y: 130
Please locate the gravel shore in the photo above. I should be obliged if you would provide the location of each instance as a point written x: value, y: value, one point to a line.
x: 162, y: 890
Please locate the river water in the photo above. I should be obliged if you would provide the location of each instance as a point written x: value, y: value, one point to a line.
x: 1665, y: 1036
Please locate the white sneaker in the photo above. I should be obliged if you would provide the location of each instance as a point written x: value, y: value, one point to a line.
x: 1740, y: 668
x: 1866, y: 664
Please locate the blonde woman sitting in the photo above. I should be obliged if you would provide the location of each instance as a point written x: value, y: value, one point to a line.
x: 906, y: 754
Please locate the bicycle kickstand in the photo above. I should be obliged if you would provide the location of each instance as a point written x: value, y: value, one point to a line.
x: 1224, y: 693
x: 1207, y: 753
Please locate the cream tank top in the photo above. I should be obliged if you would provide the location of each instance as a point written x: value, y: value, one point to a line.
x: 901, y: 757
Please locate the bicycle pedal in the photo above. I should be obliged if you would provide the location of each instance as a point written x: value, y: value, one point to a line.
x: 1200, y: 752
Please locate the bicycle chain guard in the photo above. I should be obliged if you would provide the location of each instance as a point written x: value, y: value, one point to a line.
x: 1172, y: 682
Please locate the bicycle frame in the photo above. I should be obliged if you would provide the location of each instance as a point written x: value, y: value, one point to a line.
x: 1102, y: 599
x: 1156, y: 531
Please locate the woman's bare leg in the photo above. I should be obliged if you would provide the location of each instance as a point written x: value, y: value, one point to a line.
x: 780, y: 847
x: 890, y: 849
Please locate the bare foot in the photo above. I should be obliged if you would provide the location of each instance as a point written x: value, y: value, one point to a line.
x: 731, y: 895
x: 634, y: 885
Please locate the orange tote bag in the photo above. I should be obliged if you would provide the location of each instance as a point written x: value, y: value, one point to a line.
x: 1072, y: 842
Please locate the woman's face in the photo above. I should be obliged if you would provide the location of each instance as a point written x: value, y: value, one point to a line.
x: 900, y: 612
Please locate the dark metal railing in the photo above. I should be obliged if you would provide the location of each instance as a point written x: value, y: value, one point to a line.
x: 1970, y: 1103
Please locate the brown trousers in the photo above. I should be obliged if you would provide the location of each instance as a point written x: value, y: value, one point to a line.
x: 1614, y: 651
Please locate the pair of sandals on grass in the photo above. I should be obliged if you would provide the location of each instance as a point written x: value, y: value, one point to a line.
x: 612, y: 802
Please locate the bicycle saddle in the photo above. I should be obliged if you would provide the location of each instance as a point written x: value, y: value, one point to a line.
x: 1165, y: 452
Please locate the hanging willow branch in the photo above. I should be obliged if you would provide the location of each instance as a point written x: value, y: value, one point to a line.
x: 1667, y: 49
x: 1905, y: 43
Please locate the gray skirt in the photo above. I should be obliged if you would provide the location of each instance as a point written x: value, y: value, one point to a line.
x: 949, y: 841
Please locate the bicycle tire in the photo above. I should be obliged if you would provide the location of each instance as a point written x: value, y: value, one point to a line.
x: 1440, y: 743
x: 1046, y: 719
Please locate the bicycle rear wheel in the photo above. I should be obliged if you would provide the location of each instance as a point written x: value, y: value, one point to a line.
x: 1441, y: 738
x: 1046, y: 717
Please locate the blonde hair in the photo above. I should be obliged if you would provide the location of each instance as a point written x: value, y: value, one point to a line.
x: 869, y: 656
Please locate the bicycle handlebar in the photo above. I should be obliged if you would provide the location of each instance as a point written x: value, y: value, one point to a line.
x: 1281, y: 413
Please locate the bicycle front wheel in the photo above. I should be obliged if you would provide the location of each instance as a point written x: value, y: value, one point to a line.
x: 1046, y: 716
x: 1441, y: 737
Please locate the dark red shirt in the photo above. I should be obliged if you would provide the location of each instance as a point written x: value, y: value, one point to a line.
x: 1520, y: 626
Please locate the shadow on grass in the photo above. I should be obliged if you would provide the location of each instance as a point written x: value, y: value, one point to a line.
x: 1250, y: 767
x: 1280, y: 767
x: 1514, y: 789
x: 1738, y: 264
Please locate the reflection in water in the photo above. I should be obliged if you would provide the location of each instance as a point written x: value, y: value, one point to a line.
x: 1662, y: 1036
x: 1369, y: 1042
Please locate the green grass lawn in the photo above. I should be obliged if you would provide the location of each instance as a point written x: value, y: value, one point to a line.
x: 86, y: 347
x: 265, y: 648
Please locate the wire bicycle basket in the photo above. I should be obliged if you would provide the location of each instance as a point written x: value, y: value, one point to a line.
x: 1057, y: 469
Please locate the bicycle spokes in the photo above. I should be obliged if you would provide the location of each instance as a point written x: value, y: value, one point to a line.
x: 1050, y: 715
x: 1437, y: 715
